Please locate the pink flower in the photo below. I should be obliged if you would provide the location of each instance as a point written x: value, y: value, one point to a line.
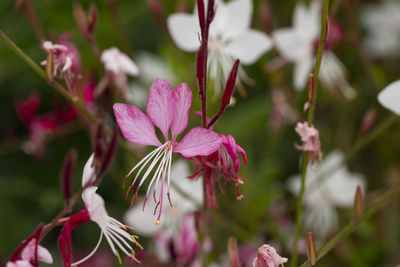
x: 310, y: 138
x: 224, y: 163
x: 65, y: 56
x: 28, y: 254
x: 181, y: 247
x: 31, y: 252
x: 282, y: 112
x: 169, y: 110
x: 118, y: 66
x: 267, y: 257
x: 43, y: 125
x: 187, y: 242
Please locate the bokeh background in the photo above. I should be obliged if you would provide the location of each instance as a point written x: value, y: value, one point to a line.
x: 30, y: 184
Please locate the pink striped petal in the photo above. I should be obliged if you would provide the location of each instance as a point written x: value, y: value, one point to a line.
x: 198, y: 142
x: 160, y: 104
x: 182, y: 97
x: 135, y: 125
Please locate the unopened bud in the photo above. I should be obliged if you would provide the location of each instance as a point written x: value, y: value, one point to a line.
x: 230, y: 84
x: 233, y: 252
x: 265, y: 16
x: 311, y: 250
x: 358, y: 203
x: 50, y: 66
x: 368, y: 121
x: 66, y: 176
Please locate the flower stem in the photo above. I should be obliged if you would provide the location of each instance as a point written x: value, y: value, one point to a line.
x: 378, y: 204
x: 310, y: 120
x: 378, y: 130
x: 61, y: 90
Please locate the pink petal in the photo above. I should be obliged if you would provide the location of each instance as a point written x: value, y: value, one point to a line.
x: 135, y: 125
x: 182, y: 97
x: 160, y: 104
x: 198, y: 142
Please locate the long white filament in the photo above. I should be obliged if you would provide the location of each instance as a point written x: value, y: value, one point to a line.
x: 91, y: 253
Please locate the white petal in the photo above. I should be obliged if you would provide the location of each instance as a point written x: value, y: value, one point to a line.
x: 343, y: 188
x: 127, y: 65
x: 249, y: 46
x: 88, y: 172
x: 302, y: 71
x: 238, y: 18
x: 193, y: 188
x: 184, y: 30
x: 96, y: 207
x: 307, y: 20
x: 389, y: 97
x: 142, y: 220
x: 291, y: 45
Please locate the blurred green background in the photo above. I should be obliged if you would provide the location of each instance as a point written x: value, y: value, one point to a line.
x: 30, y: 188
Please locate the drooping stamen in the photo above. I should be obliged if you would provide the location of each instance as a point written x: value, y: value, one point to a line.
x: 157, y: 157
x: 145, y: 159
x: 169, y: 177
x: 91, y: 253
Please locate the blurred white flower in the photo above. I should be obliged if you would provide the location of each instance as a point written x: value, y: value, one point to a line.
x: 382, y: 22
x: 298, y: 44
x: 389, y: 97
x: 151, y: 67
x: 118, y: 66
x: 230, y: 38
x: 328, y: 188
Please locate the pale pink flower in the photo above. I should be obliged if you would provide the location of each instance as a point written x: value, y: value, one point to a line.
x: 28, y: 255
x: 187, y: 242
x: 310, y: 138
x: 118, y: 65
x: 169, y: 110
x: 267, y: 257
x: 65, y: 56
x: 282, y: 112
x: 230, y: 38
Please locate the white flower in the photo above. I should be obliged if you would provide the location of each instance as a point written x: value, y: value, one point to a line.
x: 118, y: 66
x: 297, y: 44
x: 382, y: 23
x: 139, y: 218
x: 389, y: 97
x: 115, y: 232
x: 230, y: 38
x: 118, y: 63
x: 28, y: 255
x: 329, y: 185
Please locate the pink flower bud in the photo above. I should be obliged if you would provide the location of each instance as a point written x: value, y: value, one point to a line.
x: 267, y: 257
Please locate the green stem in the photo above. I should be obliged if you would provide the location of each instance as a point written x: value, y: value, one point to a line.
x: 310, y: 122
x: 378, y: 130
x: 61, y: 90
x: 379, y: 203
x: 57, y: 86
